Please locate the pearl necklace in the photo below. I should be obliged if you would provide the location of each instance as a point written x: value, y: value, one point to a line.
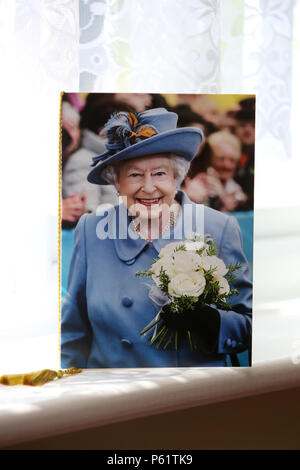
x: 171, y: 222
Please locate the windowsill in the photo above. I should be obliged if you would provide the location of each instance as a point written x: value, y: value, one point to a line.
x: 99, y: 397
x: 105, y: 396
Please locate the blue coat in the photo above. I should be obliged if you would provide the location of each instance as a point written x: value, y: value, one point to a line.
x: 107, y: 306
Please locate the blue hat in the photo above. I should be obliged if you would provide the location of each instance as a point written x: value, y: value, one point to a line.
x: 149, y: 132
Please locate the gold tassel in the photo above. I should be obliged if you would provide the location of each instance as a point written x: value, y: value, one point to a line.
x: 37, y: 378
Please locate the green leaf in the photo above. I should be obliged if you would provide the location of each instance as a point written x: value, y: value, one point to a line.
x: 144, y: 273
x: 158, y: 335
x: 180, y: 248
x: 162, y: 338
x: 234, y: 267
x: 169, y: 341
x: 176, y: 340
x: 200, y: 251
x: 190, y: 340
x: 164, y: 280
x: 197, y: 238
x: 148, y: 327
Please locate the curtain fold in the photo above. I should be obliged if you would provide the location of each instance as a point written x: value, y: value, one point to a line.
x: 260, y: 54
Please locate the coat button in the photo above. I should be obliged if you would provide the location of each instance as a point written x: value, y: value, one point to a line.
x: 233, y: 343
x: 126, y: 343
x: 127, y: 301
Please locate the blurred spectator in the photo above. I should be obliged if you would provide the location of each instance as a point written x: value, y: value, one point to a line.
x: 244, y: 129
x: 81, y: 195
x: 203, y: 161
x: 73, y: 206
x: 213, y: 182
x: 158, y: 101
x: 70, y: 129
x: 138, y: 101
x: 76, y: 100
x: 193, y: 185
x: 72, y: 209
x: 195, y: 188
x: 228, y: 117
x: 189, y: 118
x: 196, y: 182
x: 93, y: 98
x: 203, y: 105
x: 247, y: 103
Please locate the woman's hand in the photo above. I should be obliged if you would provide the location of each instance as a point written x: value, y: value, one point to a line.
x: 73, y: 207
x: 203, y: 323
x: 229, y: 201
x: 196, y: 189
x: 232, y: 201
x: 213, y: 183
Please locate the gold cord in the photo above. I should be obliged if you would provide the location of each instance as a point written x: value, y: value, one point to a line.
x: 39, y: 377
x: 46, y: 375
x: 59, y: 215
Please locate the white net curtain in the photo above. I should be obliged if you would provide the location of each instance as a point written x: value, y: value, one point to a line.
x: 207, y: 46
x: 165, y: 46
x: 187, y: 46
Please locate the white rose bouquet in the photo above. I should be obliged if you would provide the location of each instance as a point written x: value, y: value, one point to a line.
x: 188, y: 279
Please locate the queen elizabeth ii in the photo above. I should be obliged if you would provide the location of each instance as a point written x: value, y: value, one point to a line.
x: 107, y: 305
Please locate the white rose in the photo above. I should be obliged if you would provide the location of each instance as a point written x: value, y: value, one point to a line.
x: 190, y: 245
x: 167, y: 264
x: 186, y: 261
x: 191, y: 284
x: 213, y: 262
x: 223, y: 285
x: 170, y: 249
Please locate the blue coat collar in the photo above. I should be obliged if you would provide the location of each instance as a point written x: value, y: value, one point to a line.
x: 130, y: 245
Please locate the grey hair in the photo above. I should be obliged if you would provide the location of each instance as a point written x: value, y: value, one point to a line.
x: 181, y: 167
x: 180, y: 164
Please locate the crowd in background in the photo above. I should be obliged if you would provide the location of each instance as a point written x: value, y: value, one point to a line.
x: 221, y: 175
